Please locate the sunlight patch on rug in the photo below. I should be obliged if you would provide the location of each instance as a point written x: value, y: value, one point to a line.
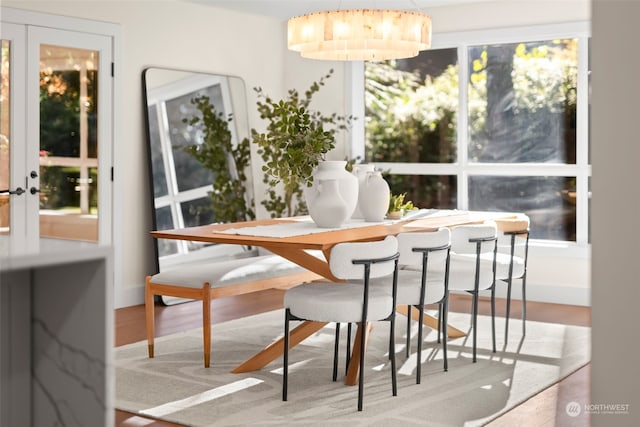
x: 207, y: 396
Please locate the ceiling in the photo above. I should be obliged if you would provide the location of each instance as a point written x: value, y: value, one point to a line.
x: 285, y: 9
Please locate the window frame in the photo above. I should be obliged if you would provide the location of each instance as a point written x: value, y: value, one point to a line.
x: 462, y: 168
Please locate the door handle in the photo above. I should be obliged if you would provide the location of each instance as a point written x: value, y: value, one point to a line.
x: 33, y: 175
x: 17, y: 191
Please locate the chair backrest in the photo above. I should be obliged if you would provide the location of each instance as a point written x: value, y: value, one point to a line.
x: 461, y: 236
x: 343, y: 255
x: 407, y: 242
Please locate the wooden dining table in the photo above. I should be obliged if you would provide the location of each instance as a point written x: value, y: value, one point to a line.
x: 296, y: 248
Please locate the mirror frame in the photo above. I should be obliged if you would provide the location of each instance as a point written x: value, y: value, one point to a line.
x: 159, y: 86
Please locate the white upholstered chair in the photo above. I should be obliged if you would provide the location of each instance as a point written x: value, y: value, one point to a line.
x: 423, y: 279
x: 472, y: 268
x: 511, y: 261
x: 211, y: 280
x: 351, y: 302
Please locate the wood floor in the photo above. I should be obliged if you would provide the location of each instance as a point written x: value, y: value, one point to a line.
x: 544, y: 409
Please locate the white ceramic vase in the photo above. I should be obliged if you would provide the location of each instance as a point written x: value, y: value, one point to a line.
x: 346, y: 181
x: 328, y: 209
x: 374, y: 197
x: 360, y: 171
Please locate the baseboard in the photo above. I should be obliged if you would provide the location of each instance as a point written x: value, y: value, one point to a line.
x: 556, y: 294
x: 569, y: 295
x: 132, y: 295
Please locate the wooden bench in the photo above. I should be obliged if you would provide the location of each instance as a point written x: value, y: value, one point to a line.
x: 208, y: 281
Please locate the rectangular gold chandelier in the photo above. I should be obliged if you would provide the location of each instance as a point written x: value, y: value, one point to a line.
x: 360, y: 34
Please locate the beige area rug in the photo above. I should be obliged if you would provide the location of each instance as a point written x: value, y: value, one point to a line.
x: 174, y: 386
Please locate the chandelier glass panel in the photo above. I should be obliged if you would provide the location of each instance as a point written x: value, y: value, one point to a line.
x: 360, y: 34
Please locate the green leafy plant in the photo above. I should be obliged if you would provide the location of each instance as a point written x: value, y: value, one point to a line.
x: 397, y: 205
x: 227, y: 161
x: 295, y: 141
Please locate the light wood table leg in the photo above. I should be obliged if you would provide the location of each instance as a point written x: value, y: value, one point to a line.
x: 308, y: 328
x: 276, y: 349
x: 354, y: 363
x: 430, y: 321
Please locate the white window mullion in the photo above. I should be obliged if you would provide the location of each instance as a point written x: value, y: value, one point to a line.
x: 462, y: 134
x: 170, y: 176
x: 523, y: 169
x: 418, y: 168
x: 582, y: 143
x: 356, y: 108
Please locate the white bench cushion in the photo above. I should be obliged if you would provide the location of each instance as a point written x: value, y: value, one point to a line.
x: 227, y: 272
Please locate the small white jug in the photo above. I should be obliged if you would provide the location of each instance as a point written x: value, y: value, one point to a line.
x: 373, y: 198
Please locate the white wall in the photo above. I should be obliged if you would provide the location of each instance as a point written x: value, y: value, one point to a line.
x: 176, y: 35
x: 616, y: 209
x: 194, y: 37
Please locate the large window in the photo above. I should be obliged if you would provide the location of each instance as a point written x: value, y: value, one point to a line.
x: 493, y: 120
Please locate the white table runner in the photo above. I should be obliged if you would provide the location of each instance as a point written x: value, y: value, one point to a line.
x: 305, y: 225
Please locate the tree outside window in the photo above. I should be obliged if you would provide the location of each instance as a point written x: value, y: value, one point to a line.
x: 521, y: 110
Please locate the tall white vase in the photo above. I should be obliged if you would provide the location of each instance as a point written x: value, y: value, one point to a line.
x: 374, y: 197
x: 360, y: 171
x: 328, y: 209
x: 346, y: 181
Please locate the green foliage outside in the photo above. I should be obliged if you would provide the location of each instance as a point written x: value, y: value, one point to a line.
x: 59, y: 189
x: 406, y: 117
x: 60, y: 113
x: 60, y: 137
x: 414, y: 119
x: 409, y: 119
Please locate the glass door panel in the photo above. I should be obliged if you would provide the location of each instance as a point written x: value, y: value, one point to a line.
x: 5, y: 137
x: 68, y: 143
x: 14, y: 234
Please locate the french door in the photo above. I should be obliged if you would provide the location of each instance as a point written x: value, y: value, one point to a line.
x: 55, y: 136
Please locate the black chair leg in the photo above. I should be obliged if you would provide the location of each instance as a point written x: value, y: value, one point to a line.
x: 362, y: 325
x: 285, y: 370
x: 419, y: 351
x: 408, y: 349
x: 524, y: 306
x: 508, y: 313
x: 493, y: 316
x: 445, y: 308
x: 336, y: 346
x: 348, y: 356
x: 392, y: 352
x: 439, y: 321
x: 474, y: 323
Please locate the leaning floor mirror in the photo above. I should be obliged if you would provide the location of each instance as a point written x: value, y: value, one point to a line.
x: 181, y: 186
